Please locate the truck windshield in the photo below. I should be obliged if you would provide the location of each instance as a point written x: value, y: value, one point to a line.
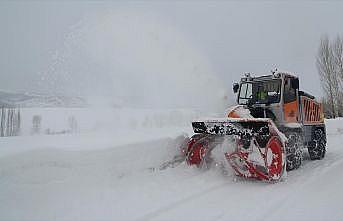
x: 245, y: 93
x: 260, y: 92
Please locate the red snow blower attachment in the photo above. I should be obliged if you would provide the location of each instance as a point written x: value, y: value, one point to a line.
x: 259, y: 151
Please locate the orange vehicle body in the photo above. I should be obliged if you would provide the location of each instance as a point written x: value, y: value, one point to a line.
x: 291, y: 112
x: 312, y: 111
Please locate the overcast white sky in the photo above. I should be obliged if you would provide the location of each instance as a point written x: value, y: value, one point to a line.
x: 225, y: 38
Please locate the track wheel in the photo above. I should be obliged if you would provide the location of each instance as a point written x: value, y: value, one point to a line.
x: 274, y: 159
x: 294, y: 151
x: 317, y: 148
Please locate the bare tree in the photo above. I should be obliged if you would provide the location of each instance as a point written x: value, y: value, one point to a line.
x: 338, y: 62
x: 328, y: 75
x: 9, y: 122
x: 36, y: 124
x: 18, y: 123
x: 72, y: 124
x: 2, y: 124
x: 338, y: 56
x: 13, y: 123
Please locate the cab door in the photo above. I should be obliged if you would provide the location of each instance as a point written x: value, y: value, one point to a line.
x: 290, y: 100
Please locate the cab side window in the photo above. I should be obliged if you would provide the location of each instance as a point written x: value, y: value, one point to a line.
x: 289, y: 94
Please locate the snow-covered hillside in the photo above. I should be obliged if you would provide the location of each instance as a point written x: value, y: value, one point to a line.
x: 39, y: 100
x: 117, y: 175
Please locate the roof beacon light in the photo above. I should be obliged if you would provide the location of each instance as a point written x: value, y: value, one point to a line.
x: 247, y: 75
x: 274, y: 72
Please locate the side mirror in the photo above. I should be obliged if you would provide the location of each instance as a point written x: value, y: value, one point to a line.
x: 235, y: 87
x: 295, y: 83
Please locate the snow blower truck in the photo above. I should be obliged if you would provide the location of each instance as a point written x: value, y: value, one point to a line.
x: 271, y: 125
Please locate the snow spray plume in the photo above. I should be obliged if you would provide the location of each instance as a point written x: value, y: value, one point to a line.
x: 133, y: 59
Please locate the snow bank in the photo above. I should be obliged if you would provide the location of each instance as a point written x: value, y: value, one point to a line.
x: 334, y: 126
x: 56, y: 182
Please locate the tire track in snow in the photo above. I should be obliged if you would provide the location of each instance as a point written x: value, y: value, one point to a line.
x: 181, y: 202
x: 312, y: 171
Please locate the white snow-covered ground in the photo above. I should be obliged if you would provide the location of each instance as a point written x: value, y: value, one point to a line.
x: 114, y: 175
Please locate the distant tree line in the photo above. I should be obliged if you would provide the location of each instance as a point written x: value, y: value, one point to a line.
x: 330, y: 69
x: 10, y: 121
x: 37, y: 126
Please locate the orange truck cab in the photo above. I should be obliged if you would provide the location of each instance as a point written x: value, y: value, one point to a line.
x: 296, y: 113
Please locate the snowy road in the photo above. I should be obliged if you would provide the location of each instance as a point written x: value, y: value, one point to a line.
x: 88, y: 177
